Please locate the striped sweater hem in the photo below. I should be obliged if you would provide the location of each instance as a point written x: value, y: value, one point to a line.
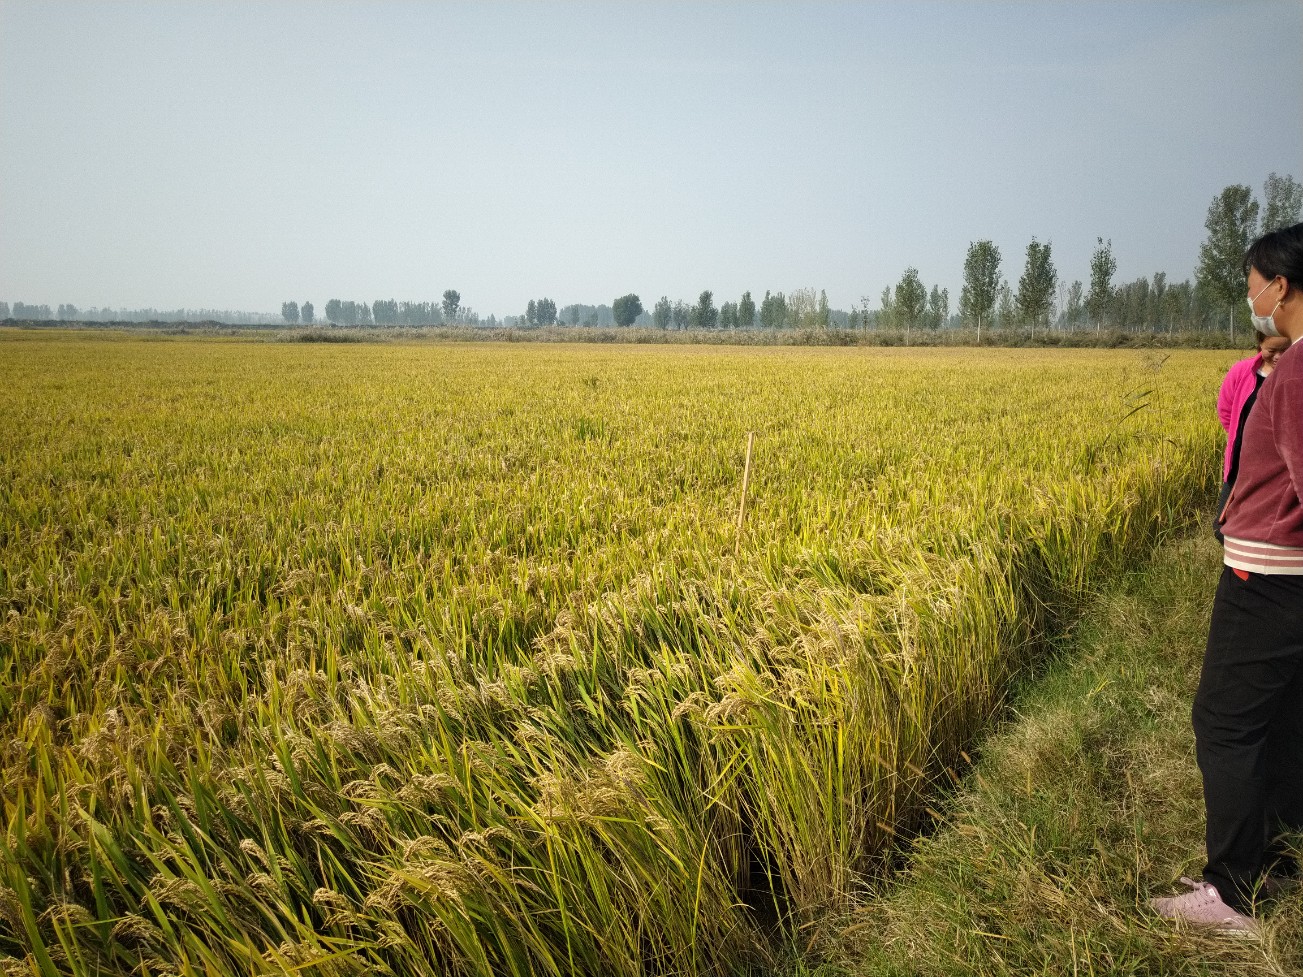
x: 1267, y: 558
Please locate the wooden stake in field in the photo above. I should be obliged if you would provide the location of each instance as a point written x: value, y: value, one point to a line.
x: 746, y: 479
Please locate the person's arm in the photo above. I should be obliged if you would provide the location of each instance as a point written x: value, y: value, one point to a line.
x: 1226, y: 396
x: 1287, y: 420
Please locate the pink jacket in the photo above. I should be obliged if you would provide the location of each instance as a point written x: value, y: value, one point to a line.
x: 1241, y: 379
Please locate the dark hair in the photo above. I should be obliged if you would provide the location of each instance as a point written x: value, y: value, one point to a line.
x: 1262, y: 337
x: 1279, y: 253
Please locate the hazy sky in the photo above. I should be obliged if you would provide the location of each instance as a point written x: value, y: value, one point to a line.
x: 235, y: 155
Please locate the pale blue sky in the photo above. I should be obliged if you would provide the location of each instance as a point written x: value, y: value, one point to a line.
x: 238, y: 154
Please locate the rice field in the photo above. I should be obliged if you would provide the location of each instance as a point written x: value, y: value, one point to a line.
x: 440, y: 659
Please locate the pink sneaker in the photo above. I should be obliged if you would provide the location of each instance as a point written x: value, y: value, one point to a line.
x: 1202, y: 906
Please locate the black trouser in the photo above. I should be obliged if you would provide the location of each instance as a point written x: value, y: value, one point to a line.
x: 1248, y: 727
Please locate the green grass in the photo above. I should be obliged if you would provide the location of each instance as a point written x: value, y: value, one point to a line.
x: 1083, y: 806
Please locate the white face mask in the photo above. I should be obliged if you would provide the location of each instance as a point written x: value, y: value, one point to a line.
x: 1265, y: 324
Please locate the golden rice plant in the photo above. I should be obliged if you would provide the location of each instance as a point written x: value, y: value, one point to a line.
x: 438, y: 659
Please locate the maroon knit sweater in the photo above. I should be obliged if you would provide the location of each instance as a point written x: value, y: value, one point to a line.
x: 1267, y: 503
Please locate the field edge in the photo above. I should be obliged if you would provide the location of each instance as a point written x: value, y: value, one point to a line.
x: 1085, y: 802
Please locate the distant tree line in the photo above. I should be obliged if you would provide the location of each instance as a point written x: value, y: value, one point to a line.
x: 544, y: 312
x: 1041, y: 299
x: 540, y: 312
x: 578, y: 314
x: 24, y: 311
x: 293, y: 312
x: 800, y: 309
x: 1214, y: 300
x: 71, y: 313
x: 387, y: 312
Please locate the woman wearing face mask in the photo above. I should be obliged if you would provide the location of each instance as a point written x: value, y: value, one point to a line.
x: 1248, y: 712
x: 1238, y: 394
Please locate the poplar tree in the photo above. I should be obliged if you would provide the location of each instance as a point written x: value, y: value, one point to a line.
x: 1037, y: 284
x: 1158, y: 299
x: 704, y: 313
x: 1283, y: 202
x: 773, y: 310
x: 910, y: 299
x: 1004, y: 313
x: 938, y: 307
x: 662, y: 313
x: 746, y: 311
x: 981, y: 282
x: 451, y: 304
x: 1072, y: 312
x: 1102, y: 267
x: 385, y: 312
x: 1232, y: 221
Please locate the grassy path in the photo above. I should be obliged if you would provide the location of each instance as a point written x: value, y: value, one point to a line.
x: 1086, y: 804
